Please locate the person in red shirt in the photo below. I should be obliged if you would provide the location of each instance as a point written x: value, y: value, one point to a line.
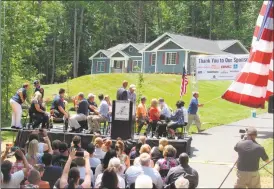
x: 154, y: 116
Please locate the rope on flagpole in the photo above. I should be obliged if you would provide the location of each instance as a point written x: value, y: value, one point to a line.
x: 212, y: 100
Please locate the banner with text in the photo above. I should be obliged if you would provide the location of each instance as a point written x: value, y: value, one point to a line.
x: 219, y: 67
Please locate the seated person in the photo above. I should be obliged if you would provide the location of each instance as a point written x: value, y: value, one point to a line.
x: 165, y: 111
x: 37, y: 86
x: 92, y: 104
x: 37, y: 111
x: 154, y: 117
x: 178, y: 118
x: 100, y: 115
x: 57, y: 109
x: 82, y: 113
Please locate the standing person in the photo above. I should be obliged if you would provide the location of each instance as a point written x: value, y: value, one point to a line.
x: 82, y: 113
x: 192, y: 112
x: 16, y: 101
x: 154, y: 117
x: 92, y: 104
x: 122, y: 92
x: 141, y: 114
x: 58, y: 106
x: 249, y: 154
x: 37, y: 87
x: 100, y: 116
x: 131, y: 93
x: 165, y: 111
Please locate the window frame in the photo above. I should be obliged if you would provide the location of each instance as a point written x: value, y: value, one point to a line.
x: 166, y: 58
x: 130, y: 49
x: 118, y: 61
x: 98, y: 66
x: 153, y: 63
x: 132, y: 67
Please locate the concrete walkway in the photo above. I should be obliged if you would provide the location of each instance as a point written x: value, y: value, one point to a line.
x: 213, y: 152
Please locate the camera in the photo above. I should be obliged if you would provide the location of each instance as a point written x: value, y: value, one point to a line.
x: 79, y: 154
x: 243, y: 133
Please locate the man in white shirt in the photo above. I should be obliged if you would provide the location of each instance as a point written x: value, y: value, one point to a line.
x: 151, y: 172
x: 165, y: 111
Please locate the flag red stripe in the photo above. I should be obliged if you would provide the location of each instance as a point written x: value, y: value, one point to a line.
x: 243, y: 99
x: 253, y: 79
x: 267, y: 34
x: 263, y: 11
x: 260, y: 57
x: 268, y: 93
x: 270, y: 76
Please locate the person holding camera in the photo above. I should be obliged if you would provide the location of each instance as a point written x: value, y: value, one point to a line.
x: 249, y: 154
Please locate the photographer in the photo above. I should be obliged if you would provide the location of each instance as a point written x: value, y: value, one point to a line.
x: 249, y: 154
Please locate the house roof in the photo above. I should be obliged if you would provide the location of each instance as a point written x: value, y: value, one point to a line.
x: 118, y: 48
x: 197, y: 44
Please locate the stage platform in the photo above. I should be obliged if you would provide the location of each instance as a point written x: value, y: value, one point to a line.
x: 181, y: 145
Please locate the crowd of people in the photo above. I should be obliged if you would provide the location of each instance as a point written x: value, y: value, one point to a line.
x: 103, y: 164
x: 158, y: 117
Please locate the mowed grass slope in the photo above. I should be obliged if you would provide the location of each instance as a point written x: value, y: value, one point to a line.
x: 167, y: 86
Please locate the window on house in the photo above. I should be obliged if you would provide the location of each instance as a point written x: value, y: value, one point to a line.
x: 171, y: 58
x: 100, y: 66
x: 153, y: 58
x: 101, y: 55
x: 136, y: 65
x: 130, y: 49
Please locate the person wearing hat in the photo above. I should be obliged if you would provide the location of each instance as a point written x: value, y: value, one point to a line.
x: 82, y: 113
x: 192, y: 113
x: 141, y: 114
x: 92, y: 104
x: 37, y: 87
x: 131, y: 93
x: 122, y: 93
x: 249, y: 155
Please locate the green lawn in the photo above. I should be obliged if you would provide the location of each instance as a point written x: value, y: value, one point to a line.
x: 167, y: 86
x: 266, y: 177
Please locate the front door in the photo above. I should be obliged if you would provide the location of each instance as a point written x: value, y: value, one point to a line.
x: 118, y: 66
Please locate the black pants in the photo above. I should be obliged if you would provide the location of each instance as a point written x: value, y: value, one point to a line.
x: 141, y: 123
x: 152, y: 126
x: 40, y: 118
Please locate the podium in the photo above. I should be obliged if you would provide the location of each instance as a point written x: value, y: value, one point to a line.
x: 123, y: 116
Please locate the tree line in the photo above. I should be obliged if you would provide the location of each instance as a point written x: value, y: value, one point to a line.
x: 52, y: 40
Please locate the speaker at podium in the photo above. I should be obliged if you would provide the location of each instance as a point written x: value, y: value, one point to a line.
x: 123, y: 116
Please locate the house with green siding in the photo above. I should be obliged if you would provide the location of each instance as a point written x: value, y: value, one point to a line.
x: 169, y: 53
x: 122, y: 58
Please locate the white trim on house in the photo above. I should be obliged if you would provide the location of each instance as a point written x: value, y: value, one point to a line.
x: 166, y: 42
x: 150, y: 44
x: 186, y: 61
x: 118, y: 51
x: 167, y: 60
x: 91, y: 66
x: 236, y: 41
x: 90, y: 58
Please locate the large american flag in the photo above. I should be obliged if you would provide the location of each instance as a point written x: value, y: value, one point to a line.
x: 254, y: 84
x: 184, y: 83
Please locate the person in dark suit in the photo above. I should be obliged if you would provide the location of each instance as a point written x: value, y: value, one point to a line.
x: 122, y: 92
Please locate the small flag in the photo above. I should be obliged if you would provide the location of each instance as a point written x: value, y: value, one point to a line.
x: 184, y: 83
